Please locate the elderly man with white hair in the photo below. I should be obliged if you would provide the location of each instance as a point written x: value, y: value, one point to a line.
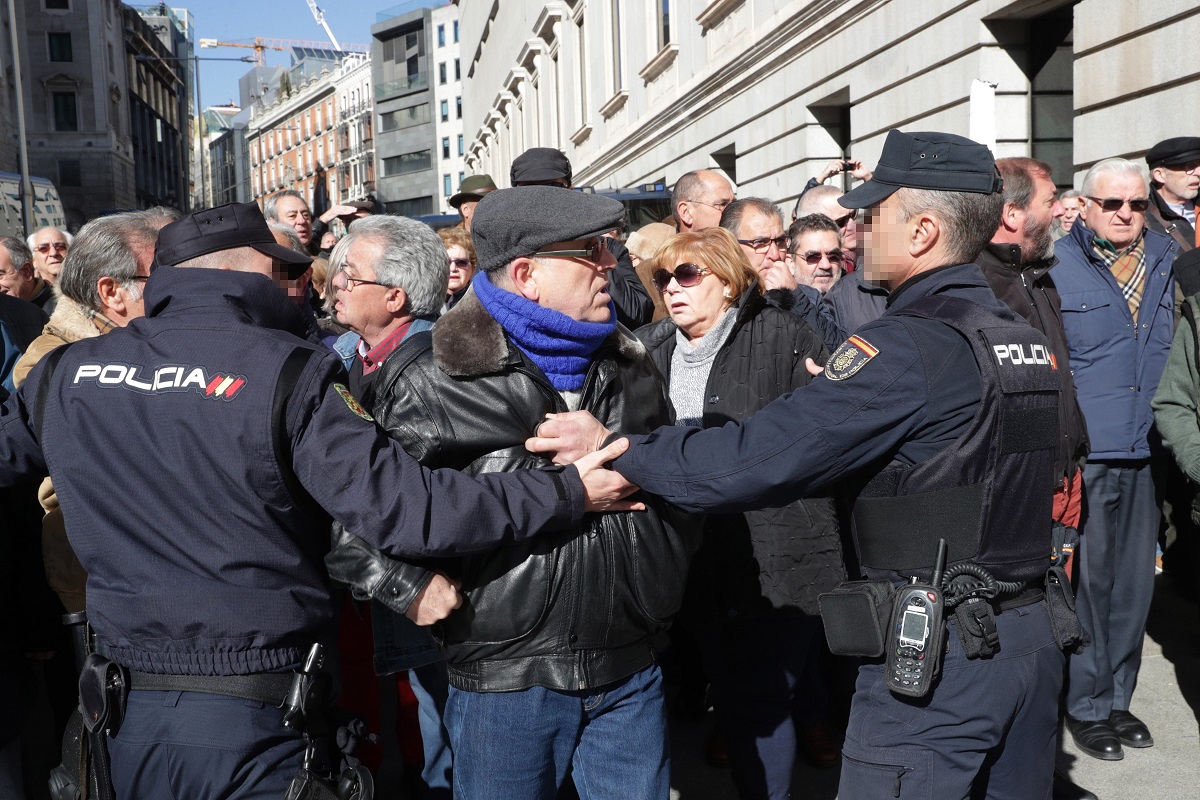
x: 1118, y: 302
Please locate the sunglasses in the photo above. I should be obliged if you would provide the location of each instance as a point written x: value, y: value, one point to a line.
x: 813, y: 257
x: 686, y: 275
x: 59, y: 247
x: 763, y: 244
x: 460, y: 263
x: 595, y: 252
x: 1110, y: 204
x: 843, y: 221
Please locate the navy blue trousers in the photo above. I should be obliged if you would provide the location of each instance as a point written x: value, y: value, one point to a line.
x: 200, y: 746
x: 988, y: 729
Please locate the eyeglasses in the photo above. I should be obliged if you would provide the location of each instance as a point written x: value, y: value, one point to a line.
x: 1137, y: 205
x: 460, y: 263
x: 720, y: 205
x: 347, y: 282
x: 813, y: 257
x: 686, y: 275
x: 763, y: 244
x: 595, y: 252
x: 1187, y: 167
x: 140, y: 278
x: 59, y: 247
x: 843, y: 221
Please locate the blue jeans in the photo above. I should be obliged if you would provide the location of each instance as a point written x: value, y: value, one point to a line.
x: 519, y: 745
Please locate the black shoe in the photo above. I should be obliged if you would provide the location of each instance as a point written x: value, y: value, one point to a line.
x: 1065, y: 790
x: 1096, y: 738
x: 1130, y: 730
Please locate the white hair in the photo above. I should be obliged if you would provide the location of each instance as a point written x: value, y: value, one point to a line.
x: 1110, y: 166
x: 29, y: 239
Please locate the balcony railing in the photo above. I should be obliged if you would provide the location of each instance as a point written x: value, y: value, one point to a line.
x: 354, y: 110
x: 410, y: 84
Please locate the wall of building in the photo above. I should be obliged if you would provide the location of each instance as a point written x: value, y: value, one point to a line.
x: 356, y: 130
x: 769, y: 91
x: 449, y: 145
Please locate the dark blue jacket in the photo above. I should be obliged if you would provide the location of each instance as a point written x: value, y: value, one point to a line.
x: 1115, y: 365
x: 195, y: 489
x: 915, y: 396
x: 20, y: 323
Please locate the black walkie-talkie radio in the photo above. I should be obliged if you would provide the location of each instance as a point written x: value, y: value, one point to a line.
x: 915, y: 651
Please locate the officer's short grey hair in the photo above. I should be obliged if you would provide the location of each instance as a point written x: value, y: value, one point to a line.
x: 29, y: 239
x: 269, y: 210
x: 1110, y: 166
x: 970, y: 219
x: 18, y: 252
x: 731, y: 217
x: 413, y: 259
x: 105, y: 248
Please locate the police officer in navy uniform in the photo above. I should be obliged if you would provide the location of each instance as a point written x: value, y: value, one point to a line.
x: 198, y: 454
x: 940, y: 420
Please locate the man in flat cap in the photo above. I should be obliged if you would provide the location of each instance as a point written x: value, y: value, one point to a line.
x: 470, y: 192
x: 1174, y: 184
x: 940, y: 419
x: 240, y: 439
x: 552, y: 656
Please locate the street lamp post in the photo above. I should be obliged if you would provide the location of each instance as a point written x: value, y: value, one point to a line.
x: 26, y: 182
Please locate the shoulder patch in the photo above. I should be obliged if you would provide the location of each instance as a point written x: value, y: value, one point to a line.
x: 849, y: 358
x: 351, y: 402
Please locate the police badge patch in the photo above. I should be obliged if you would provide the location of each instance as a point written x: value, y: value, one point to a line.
x: 351, y: 402
x: 848, y: 359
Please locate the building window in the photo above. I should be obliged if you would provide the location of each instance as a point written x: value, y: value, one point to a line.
x: 406, y: 163
x: 445, y: 147
x: 442, y: 73
x: 70, y: 173
x: 456, y: 31
x: 460, y: 144
x: 662, y: 23
x: 441, y: 35
x: 458, y: 108
x: 446, y: 185
x: 65, y: 116
x: 60, y: 46
x: 404, y: 118
x: 58, y: 5
x: 413, y: 207
x: 461, y: 175
x: 457, y: 71
x: 615, y: 21
x: 445, y: 111
x: 583, y: 70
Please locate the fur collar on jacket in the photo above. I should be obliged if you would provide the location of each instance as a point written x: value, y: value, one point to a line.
x: 72, y: 321
x: 467, y: 341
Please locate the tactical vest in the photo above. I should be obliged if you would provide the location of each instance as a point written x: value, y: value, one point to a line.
x: 985, y: 493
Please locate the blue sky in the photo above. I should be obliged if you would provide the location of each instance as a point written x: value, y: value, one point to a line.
x: 242, y: 20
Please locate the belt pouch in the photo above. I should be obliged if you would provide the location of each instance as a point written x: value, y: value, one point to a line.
x: 1060, y: 602
x: 856, y: 617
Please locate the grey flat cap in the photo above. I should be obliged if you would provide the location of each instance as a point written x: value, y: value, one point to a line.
x: 510, y: 223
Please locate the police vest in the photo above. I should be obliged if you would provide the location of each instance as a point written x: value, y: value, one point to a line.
x: 985, y: 494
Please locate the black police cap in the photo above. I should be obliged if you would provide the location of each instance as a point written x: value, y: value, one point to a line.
x: 225, y: 227
x: 927, y: 160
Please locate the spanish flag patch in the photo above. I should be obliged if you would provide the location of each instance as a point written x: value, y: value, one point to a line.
x: 848, y: 359
x: 352, y: 402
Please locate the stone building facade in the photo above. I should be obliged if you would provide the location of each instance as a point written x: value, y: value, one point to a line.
x: 769, y: 91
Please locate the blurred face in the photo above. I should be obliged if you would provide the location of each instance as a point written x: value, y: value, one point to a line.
x: 294, y: 211
x: 49, y: 249
x: 1044, y: 208
x: 1122, y: 226
x: 885, y: 254
x: 461, y: 269
x: 13, y: 281
x: 767, y: 255
x: 297, y: 289
x: 360, y: 303
x: 695, y: 309
x: 816, y: 258
x: 1180, y: 182
x: 467, y: 210
x: 575, y: 285
x: 1071, y: 208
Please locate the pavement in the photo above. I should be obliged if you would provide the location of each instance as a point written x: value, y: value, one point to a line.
x: 1167, y: 700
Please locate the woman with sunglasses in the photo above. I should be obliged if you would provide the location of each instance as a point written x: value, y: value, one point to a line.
x: 726, y: 351
x: 461, y: 252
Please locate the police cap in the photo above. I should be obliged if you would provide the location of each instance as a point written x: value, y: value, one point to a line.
x: 511, y: 223
x: 928, y: 160
x: 225, y: 227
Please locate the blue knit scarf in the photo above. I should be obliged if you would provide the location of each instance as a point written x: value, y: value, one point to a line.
x: 560, y: 346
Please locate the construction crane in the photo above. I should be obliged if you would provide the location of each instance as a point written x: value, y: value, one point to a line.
x: 262, y: 44
x: 319, y: 16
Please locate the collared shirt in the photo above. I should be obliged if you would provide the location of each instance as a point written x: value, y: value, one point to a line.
x: 372, y: 358
x: 1186, y: 209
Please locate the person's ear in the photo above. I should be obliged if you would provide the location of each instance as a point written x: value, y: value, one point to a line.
x: 683, y: 212
x: 1011, y: 216
x: 111, y: 296
x: 397, y: 300
x: 924, y: 233
x: 524, y: 274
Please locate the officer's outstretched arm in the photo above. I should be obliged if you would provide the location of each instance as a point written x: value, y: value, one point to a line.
x: 21, y: 456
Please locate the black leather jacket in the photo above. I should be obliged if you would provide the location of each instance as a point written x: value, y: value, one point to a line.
x: 573, y: 610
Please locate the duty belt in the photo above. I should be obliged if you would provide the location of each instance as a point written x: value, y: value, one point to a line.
x: 269, y: 688
x: 1026, y: 597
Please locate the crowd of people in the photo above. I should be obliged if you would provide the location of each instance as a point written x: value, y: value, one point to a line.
x: 548, y: 473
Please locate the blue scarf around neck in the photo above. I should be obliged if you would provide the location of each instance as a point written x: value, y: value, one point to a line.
x: 561, y: 347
